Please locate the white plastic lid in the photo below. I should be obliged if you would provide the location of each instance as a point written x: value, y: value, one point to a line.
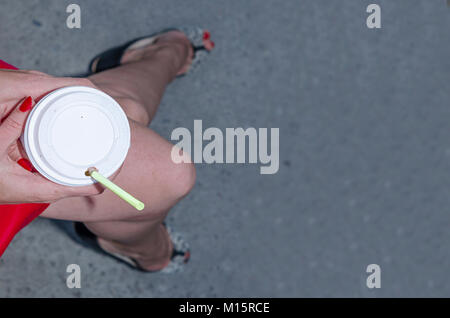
x: 75, y: 128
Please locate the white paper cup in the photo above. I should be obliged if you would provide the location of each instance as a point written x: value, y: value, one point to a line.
x: 75, y: 128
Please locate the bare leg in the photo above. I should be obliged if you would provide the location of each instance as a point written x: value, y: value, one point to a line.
x: 148, y: 171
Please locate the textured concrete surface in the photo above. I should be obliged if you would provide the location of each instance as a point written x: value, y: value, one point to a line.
x: 365, y: 148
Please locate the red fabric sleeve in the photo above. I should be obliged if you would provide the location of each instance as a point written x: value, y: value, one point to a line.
x: 14, y: 218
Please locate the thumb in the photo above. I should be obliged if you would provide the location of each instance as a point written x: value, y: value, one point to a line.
x: 11, y: 128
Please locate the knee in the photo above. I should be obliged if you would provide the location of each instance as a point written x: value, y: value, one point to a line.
x: 182, y: 180
x: 177, y: 183
x: 134, y: 110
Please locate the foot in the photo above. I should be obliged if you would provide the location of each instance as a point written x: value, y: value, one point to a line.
x: 150, y: 258
x: 146, y: 48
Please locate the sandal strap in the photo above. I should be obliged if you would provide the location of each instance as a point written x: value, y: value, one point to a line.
x: 110, y: 59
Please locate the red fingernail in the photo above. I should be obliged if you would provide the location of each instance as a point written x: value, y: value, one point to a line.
x: 26, y: 164
x: 212, y: 44
x: 206, y: 35
x: 26, y: 105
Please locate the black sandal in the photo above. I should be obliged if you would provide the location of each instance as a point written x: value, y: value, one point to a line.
x: 79, y: 233
x: 112, y: 57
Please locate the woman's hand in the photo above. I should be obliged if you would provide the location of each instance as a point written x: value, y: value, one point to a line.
x: 18, y: 91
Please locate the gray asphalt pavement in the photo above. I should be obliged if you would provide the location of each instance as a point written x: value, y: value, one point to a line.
x: 364, y: 147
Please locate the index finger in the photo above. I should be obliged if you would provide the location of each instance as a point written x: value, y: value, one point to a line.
x: 15, y: 84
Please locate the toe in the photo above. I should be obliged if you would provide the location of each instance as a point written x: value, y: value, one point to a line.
x: 208, y: 44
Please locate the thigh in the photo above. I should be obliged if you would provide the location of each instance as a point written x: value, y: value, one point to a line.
x: 147, y: 173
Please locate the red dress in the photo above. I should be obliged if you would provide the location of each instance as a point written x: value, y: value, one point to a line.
x: 14, y: 218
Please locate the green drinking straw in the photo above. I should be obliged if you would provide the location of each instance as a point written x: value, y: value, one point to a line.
x: 93, y: 173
